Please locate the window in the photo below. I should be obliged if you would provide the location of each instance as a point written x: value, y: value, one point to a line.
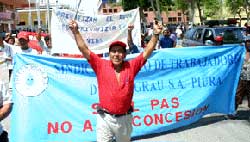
x: 1, y: 7
x: 110, y: 10
x: 174, y: 19
x: 179, y: 19
x: 104, y: 11
x: 208, y: 35
x: 35, y: 22
x: 115, y: 10
x: 179, y: 14
x: 21, y: 23
x: 197, y: 34
x: 170, y: 19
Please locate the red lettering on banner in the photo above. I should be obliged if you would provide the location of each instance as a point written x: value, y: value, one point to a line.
x: 52, y: 128
x: 148, y: 117
x: 94, y: 107
x: 136, y: 117
x: 175, y: 102
x: 187, y: 114
x: 166, y: 117
x: 65, y: 127
x: 165, y: 104
x: 178, y: 116
x: 87, y: 126
x: 154, y: 103
x: 135, y: 109
x: 158, y: 119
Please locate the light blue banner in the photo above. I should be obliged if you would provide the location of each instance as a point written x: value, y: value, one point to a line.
x: 55, y: 98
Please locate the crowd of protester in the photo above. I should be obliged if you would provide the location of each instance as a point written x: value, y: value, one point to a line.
x: 11, y: 44
x: 20, y: 42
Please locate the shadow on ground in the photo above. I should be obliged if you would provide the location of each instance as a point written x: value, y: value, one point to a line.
x: 241, y: 115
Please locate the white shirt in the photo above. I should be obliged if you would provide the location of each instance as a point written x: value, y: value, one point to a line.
x: 6, y: 54
x: 178, y: 32
x: 5, y: 98
x: 18, y: 49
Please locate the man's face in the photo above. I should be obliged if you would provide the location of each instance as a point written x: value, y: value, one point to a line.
x: 23, y: 43
x: 248, y: 44
x: 48, y: 43
x: 166, y: 33
x: 117, y: 54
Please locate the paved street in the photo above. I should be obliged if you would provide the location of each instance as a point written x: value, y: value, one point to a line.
x: 212, y: 128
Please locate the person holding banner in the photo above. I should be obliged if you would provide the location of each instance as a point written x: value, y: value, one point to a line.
x: 244, y: 84
x: 115, y: 78
x: 5, y: 100
x: 23, y: 39
x: 5, y: 108
x: 6, y: 58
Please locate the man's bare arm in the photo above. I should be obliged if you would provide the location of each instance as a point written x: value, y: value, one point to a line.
x: 130, y: 40
x: 1, y: 41
x: 153, y: 41
x: 5, y: 110
x: 79, y: 40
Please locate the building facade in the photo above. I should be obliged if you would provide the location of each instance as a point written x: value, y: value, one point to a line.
x: 32, y: 24
x: 8, y: 15
x: 171, y: 17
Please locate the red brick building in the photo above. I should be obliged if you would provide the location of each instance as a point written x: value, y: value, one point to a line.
x: 172, y: 17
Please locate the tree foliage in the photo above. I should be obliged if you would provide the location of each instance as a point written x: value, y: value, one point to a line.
x: 234, y: 5
x: 205, y: 8
x: 132, y: 4
x: 212, y: 7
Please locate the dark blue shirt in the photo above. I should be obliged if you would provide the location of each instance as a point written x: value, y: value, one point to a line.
x: 166, y: 42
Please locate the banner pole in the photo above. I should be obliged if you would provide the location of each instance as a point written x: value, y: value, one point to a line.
x: 77, y: 9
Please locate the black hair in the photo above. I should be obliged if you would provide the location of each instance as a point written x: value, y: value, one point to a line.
x: 46, y: 38
x: 124, y: 49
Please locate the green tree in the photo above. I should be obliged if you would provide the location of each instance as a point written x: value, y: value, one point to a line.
x: 212, y: 8
x: 206, y: 8
x: 157, y: 5
x: 238, y: 6
x: 130, y: 4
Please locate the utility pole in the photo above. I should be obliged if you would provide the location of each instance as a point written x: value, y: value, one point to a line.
x: 247, y: 10
x: 38, y: 13
x: 221, y: 10
x: 158, y: 10
x: 29, y: 17
x: 48, y: 15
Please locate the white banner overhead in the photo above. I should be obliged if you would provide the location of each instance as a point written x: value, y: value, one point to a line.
x: 98, y: 31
